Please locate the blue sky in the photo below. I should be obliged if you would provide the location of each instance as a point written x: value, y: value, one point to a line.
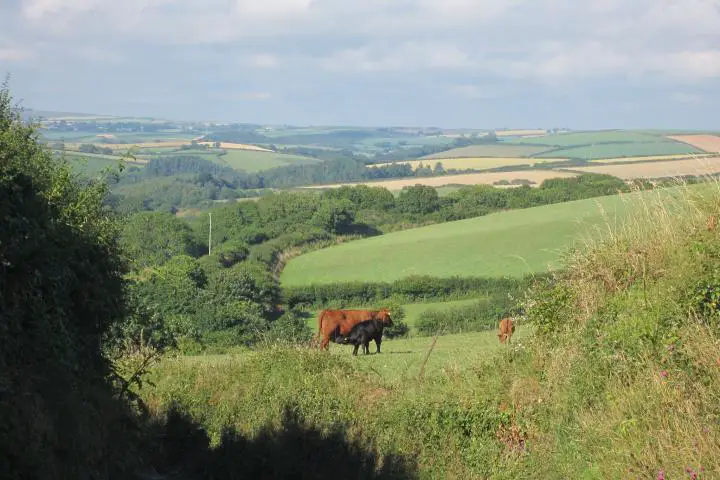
x: 449, y: 63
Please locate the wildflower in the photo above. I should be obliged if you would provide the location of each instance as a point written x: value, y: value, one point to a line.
x: 671, y: 347
x: 661, y: 475
x: 664, y: 374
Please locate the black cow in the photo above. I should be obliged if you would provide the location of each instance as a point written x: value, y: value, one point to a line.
x: 362, y: 333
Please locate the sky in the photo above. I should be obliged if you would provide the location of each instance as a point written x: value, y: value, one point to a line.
x: 444, y: 63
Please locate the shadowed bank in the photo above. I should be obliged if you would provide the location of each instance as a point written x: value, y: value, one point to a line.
x: 294, y: 449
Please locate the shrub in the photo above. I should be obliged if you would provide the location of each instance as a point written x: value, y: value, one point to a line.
x: 483, y: 315
x: 412, y: 288
x: 290, y: 328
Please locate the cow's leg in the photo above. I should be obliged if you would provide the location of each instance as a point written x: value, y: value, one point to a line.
x: 366, y: 347
x: 324, y: 343
x: 355, y: 349
x: 378, y: 341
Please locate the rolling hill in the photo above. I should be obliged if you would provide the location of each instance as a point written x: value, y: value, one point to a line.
x: 509, y: 244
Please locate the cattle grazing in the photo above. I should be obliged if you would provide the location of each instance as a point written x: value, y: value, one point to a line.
x: 362, y: 333
x: 507, y: 328
x: 333, y: 324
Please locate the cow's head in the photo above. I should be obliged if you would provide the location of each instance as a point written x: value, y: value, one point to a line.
x: 384, y: 316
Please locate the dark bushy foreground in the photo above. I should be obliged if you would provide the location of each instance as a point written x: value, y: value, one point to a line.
x: 60, y: 293
x: 292, y: 449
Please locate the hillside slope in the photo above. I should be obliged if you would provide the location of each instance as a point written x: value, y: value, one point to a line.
x: 510, y: 243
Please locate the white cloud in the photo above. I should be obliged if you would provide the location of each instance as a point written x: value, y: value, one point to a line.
x: 9, y: 54
x: 37, y: 9
x: 411, y: 56
x: 243, y: 96
x: 263, y: 60
x: 547, y: 41
x: 474, y: 92
x: 687, y: 98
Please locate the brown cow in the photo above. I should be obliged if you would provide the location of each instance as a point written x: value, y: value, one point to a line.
x: 334, y: 323
x: 507, y: 328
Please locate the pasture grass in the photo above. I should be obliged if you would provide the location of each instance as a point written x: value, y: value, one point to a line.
x: 247, y: 160
x: 256, y: 161
x: 614, y: 150
x: 510, y: 243
x: 591, y: 137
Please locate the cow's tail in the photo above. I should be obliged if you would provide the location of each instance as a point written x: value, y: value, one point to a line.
x: 318, y: 337
x: 320, y: 321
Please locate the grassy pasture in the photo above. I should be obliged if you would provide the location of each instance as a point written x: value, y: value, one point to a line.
x: 256, y: 161
x: 692, y: 166
x: 489, y: 178
x: 587, y: 138
x: 511, y: 243
x: 93, y: 163
x: 615, y: 150
x: 55, y: 136
x: 399, y: 360
x: 479, y: 163
x: 498, y: 150
x: 248, y: 160
x: 410, y: 140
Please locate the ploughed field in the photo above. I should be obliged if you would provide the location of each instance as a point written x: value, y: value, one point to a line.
x: 511, y: 243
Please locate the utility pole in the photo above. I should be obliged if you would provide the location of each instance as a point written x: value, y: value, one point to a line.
x: 210, y: 235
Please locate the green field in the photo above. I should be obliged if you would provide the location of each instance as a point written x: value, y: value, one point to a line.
x: 614, y: 150
x: 399, y: 360
x: 498, y: 150
x: 247, y: 160
x: 510, y: 243
x: 587, y: 138
x: 256, y: 161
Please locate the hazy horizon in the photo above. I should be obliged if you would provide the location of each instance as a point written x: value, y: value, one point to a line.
x: 451, y: 64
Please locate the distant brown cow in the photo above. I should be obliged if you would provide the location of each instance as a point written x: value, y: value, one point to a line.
x: 334, y: 323
x: 507, y: 328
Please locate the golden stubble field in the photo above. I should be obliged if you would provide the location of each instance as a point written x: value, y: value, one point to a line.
x: 537, y: 176
x: 692, y: 166
x: 652, y: 158
x: 709, y: 143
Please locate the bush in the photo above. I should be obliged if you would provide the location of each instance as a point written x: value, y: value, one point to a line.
x: 483, y: 315
x: 410, y: 289
x: 290, y: 328
x: 62, y: 296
